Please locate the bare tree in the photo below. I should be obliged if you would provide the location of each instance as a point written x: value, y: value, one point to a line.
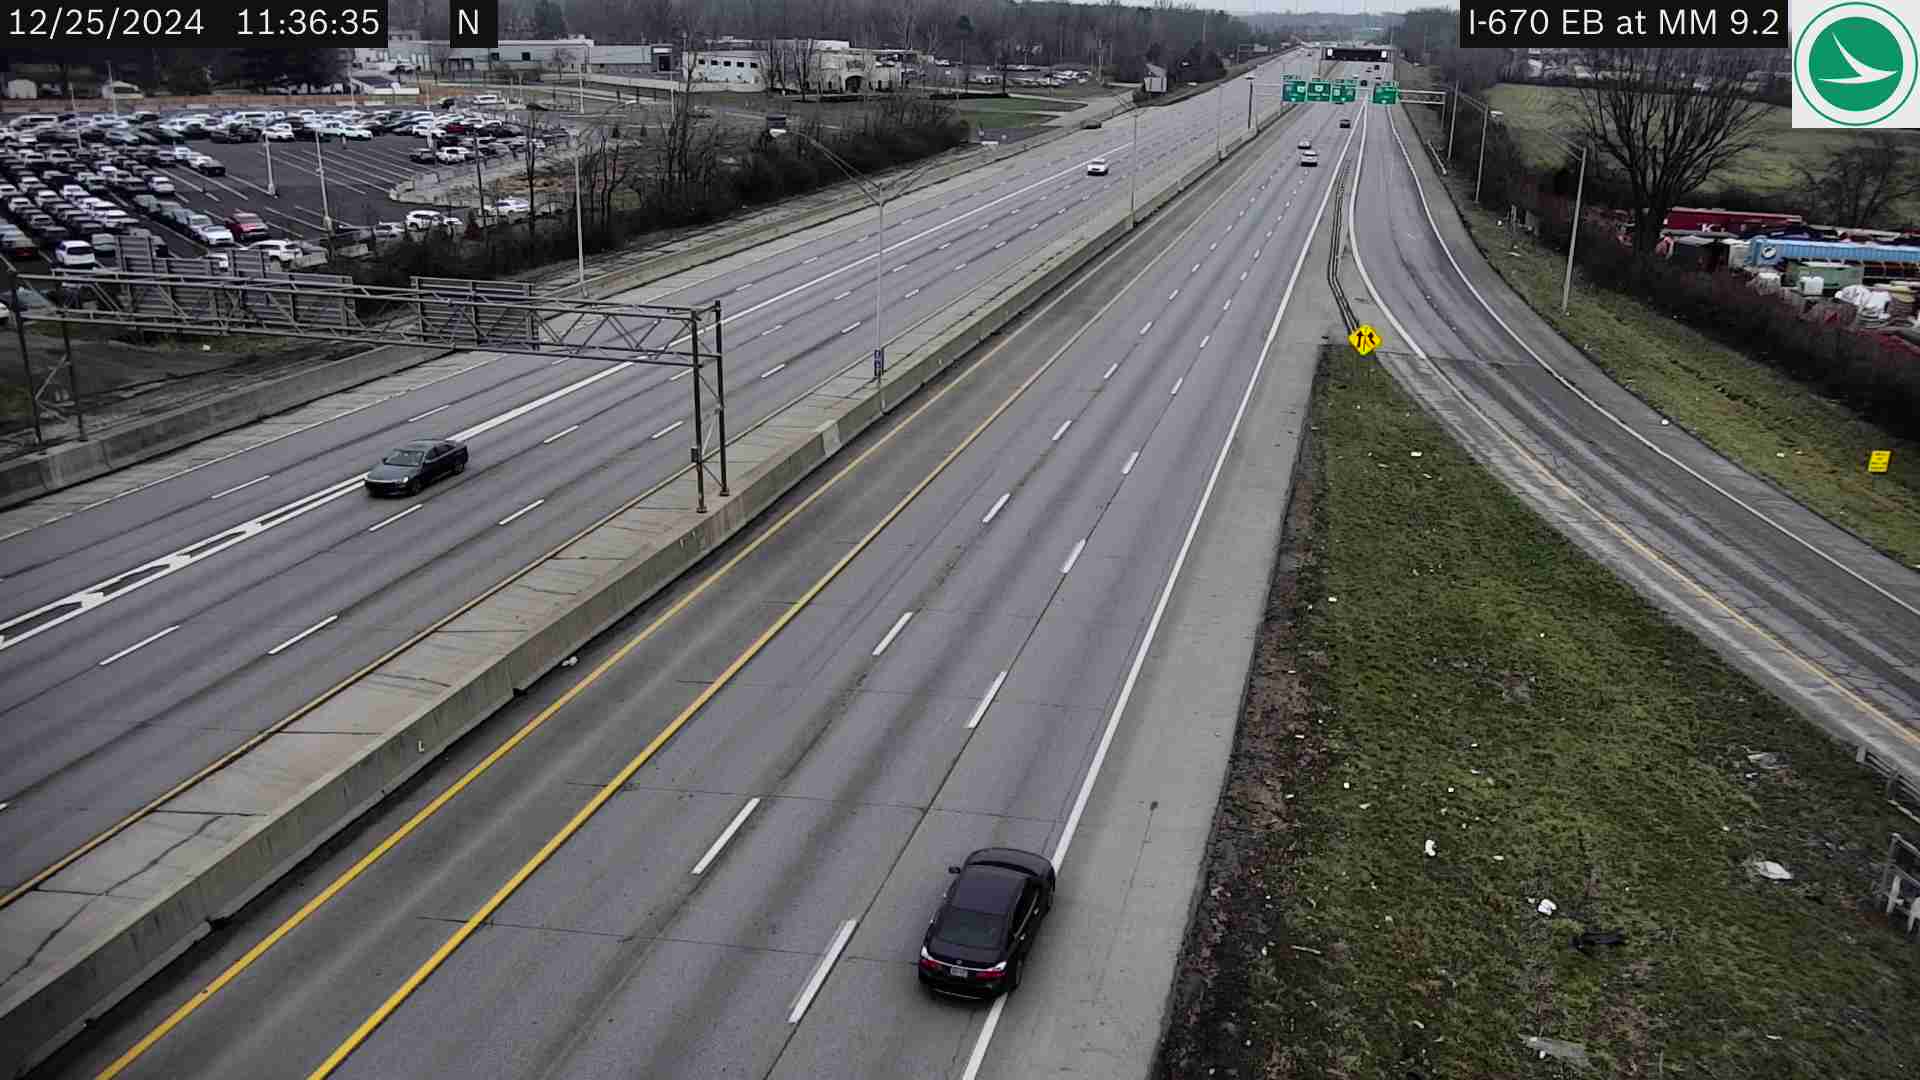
x: 1667, y: 119
x: 1859, y: 185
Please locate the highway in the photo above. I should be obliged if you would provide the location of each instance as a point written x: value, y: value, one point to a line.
x: 978, y: 596
x: 1806, y: 607
x: 190, y: 622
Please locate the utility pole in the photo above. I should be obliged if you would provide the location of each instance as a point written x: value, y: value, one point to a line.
x: 1573, y: 233
x: 272, y: 191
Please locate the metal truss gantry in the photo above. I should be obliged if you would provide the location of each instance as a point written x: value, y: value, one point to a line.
x: 250, y: 296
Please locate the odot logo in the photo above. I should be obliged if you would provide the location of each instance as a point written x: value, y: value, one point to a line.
x: 1854, y: 65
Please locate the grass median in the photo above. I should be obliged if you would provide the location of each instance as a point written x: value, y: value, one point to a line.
x: 1437, y: 664
x: 1768, y: 423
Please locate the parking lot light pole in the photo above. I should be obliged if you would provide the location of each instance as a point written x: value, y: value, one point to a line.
x: 272, y: 191
x: 326, y: 211
x: 1249, y: 103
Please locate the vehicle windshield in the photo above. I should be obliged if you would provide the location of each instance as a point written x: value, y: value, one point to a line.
x: 404, y: 457
x: 969, y: 929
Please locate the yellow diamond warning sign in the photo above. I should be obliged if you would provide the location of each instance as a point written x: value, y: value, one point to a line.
x: 1364, y: 340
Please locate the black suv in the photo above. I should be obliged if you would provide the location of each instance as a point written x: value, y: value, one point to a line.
x: 978, y: 941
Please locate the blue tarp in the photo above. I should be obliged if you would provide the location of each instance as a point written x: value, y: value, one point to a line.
x: 1772, y: 251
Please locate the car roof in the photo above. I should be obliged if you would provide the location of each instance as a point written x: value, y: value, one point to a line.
x: 991, y: 889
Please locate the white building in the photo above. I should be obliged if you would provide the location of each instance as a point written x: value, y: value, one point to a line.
x: 744, y: 69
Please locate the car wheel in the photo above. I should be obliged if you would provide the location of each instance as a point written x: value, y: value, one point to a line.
x: 1013, y: 974
x: 460, y: 466
x: 413, y: 487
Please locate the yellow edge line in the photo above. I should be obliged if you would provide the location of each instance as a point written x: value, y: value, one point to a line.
x: 580, y: 818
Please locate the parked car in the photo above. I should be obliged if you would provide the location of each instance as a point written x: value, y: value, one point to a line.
x: 422, y: 155
x: 74, y: 255
x: 159, y: 243
x: 355, y: 133
x: 283, y: 252
x: 159, y: 185
x: 280, y: 133
x: 105, y: 245
x: 452, y: 155
x: 419, y: 220
x: 389, y: 230
x: 209, y: 232
x: 207, y: 166
x: 980, y: 938
x: 246, y: 226
x: 176, y: 215
x: 408, y: 468
x: 16, y: 244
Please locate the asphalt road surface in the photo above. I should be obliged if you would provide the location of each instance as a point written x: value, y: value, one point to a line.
x: 145, y: 636
x: 1021, y: 579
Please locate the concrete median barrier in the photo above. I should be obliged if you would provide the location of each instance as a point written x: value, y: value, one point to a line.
x: 106, y: 922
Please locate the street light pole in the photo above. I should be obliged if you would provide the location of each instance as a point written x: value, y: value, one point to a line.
x: 1218, y: 99
x: 879, y: 257
x: 1133, y: 172
x: 326, y: 212
x: 579, y: 229
x: 1249, y: 103
x: 1573, y: 233
x: 1454, y: 122
x: 1480, y: 169
x: 272, y: 191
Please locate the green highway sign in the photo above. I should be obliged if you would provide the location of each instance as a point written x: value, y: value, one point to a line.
x: 1386, y: 93
x: 1343, y: 94
x: 1319, y: 90
x: 1293, y: 91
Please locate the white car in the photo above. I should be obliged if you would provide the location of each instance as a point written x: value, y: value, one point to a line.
x: 511, y: 205
x: 279, y: 133
x: 389, y: 230
x: 1309, y: 158
x: 159, y: 185
x: 74, y: 255
x: 280, y: 251
x: 211, y: 233
x: 355, y: 133
x: 1306, y: 144
x: 1097, y: 167
x: 421, y: 220
x: 452, y: 155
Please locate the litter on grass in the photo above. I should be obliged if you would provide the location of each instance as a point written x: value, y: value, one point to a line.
x: 1771, y: 870
x: 1430, y: 851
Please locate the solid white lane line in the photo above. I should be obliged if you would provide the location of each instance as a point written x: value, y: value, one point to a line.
x: 777, y: 368
x: 899, y: 625
x: 141, y: 644
x: 820, y: 971
x: 238, y: 487
x: 997, y: 504
x: 733, y: 826
x: 986, y: 700
x: 1177, y: 384
x: 1110, y: 371
x: 851, y: 329
x: 1073, y: 556
x: 301, y: 636
x: 1061, y: 431
x: 383, y: 523
x: 510, y: 518
x: 687, y: 371
x: 665, y: 430
x: 428, y: 413
x: 1128, y: 467
x: 561, y: 434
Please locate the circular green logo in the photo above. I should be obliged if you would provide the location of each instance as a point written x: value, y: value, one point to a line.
x: 1854, y: 63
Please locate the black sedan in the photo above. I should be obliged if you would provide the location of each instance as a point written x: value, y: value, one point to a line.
x: 979, y: 940
x: 408, y: 468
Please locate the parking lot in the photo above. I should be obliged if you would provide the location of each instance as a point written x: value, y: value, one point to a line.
x: 281, y: 182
